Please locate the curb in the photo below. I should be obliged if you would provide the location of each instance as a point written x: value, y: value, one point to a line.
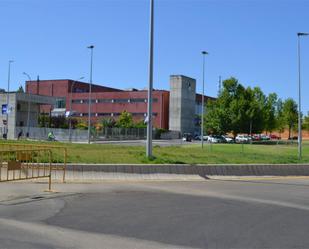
x: 201, y: 170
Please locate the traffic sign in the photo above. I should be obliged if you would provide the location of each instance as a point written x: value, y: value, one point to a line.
x: 4, y: 109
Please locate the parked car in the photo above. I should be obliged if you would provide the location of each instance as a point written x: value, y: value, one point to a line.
x: 274, y: 137
x: 256, y: 137
x: 243, y: 139
x: 264, y: 137
x: 213, y: 139
x: 198, y: 137
x: 187, y: 137
x: 228, y: 139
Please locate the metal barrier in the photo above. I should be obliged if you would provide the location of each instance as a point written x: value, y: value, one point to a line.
x: 59, y: 153
x: 25, y: 164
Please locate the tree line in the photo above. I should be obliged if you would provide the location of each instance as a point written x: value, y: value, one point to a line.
x: 248, y: 110
x: 125, y: 120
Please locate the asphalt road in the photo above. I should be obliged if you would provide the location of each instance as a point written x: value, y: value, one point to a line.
x: 251, y: 213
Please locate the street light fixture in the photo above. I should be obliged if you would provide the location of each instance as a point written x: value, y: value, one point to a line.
x: 89, y: 98
x: 202, y: 121
x: 150, y: 86
x: 28, y: 111
x: 7, y: 99
x: 70, y: 109
x: 299, y: 99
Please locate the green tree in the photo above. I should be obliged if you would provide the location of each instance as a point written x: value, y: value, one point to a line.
x: 279, y: 117
x: 82, y: 124
x: 108, y: 122
x: 125, y: 120
x: 140, y: 124
x: 20, y: 89
x: 290, y: 114
x: 270, y: 112
x: 240, y: 110
x: 306, y: 122
x: 255, y: 106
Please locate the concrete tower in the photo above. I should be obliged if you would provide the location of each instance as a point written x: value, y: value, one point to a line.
x: 182, y: 103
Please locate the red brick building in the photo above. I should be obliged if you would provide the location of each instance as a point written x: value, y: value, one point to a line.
x: 106, y: 101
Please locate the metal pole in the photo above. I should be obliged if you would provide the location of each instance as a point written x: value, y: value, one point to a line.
x: 70, y: 109
x: 299, y: 99
x: 299, y: 104
x: 28, y: 111
x: 202, y: 116
x: 7, y: 99
x: 149, y: 107
x: 89, y: 99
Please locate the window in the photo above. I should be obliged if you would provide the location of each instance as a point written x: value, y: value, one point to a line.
x: 137, y: 100
x: 121, y: 100
x: 60, y: 103
x: 104, y: 114
x: 77, y: 101
x: 104, y: 100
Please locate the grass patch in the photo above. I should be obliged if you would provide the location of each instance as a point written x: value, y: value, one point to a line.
x: 189, y: 153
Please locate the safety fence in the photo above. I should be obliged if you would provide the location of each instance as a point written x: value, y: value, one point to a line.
x: 58, y: 154
x: 26, y: 164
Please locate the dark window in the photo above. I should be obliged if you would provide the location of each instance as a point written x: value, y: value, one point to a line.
x: 60, y: 103
x: 18, y: 108
x: 77, y: 101
x: 138, y: 100
x: 101, y: 114
x: 121, y: 100
x: 104, y: 100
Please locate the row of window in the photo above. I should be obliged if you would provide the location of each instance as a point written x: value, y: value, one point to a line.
x: 111, y: 114
x: 137, y: 100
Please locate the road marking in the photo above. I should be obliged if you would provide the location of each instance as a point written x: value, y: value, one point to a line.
x: 269, y: 178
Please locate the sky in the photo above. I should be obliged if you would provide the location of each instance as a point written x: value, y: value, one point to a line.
x: 254, y: 41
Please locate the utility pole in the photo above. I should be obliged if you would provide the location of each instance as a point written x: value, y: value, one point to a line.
x: 89, y: 96
x: 150, y: 85
x: 299, y: 98
x: 202, y: 116
x: 7, y: 100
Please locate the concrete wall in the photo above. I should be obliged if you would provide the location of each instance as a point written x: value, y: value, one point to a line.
x: 11, y: 116
x: 182, y: 103
x: 18, y: 103
x: 22, y: 114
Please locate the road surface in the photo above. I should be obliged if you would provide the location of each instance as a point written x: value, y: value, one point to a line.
x: 248, y: 213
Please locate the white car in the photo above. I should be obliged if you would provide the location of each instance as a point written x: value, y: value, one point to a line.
x: 228, y: 139
x: 243, y: 139
x: 212, y: 139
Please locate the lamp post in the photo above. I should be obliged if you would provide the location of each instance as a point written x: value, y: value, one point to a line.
x: 28, y: 111
x: 299, y: 99
x: 70, y: 108
x: 202, y: 121
x: 150, y: 86
x: 7, y: 99
x: 89, y: 99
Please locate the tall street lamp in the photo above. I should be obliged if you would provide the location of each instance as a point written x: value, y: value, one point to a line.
x: 150, y: 86
x: 202, y: 121
x: 7, y: 99
x: 299, y: 99
x: 89, y: 98
x: 70, y: 108
x: 28, y: 111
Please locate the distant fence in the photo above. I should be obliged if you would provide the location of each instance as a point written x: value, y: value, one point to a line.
x: 120, y: 134
x: 41, y: 133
